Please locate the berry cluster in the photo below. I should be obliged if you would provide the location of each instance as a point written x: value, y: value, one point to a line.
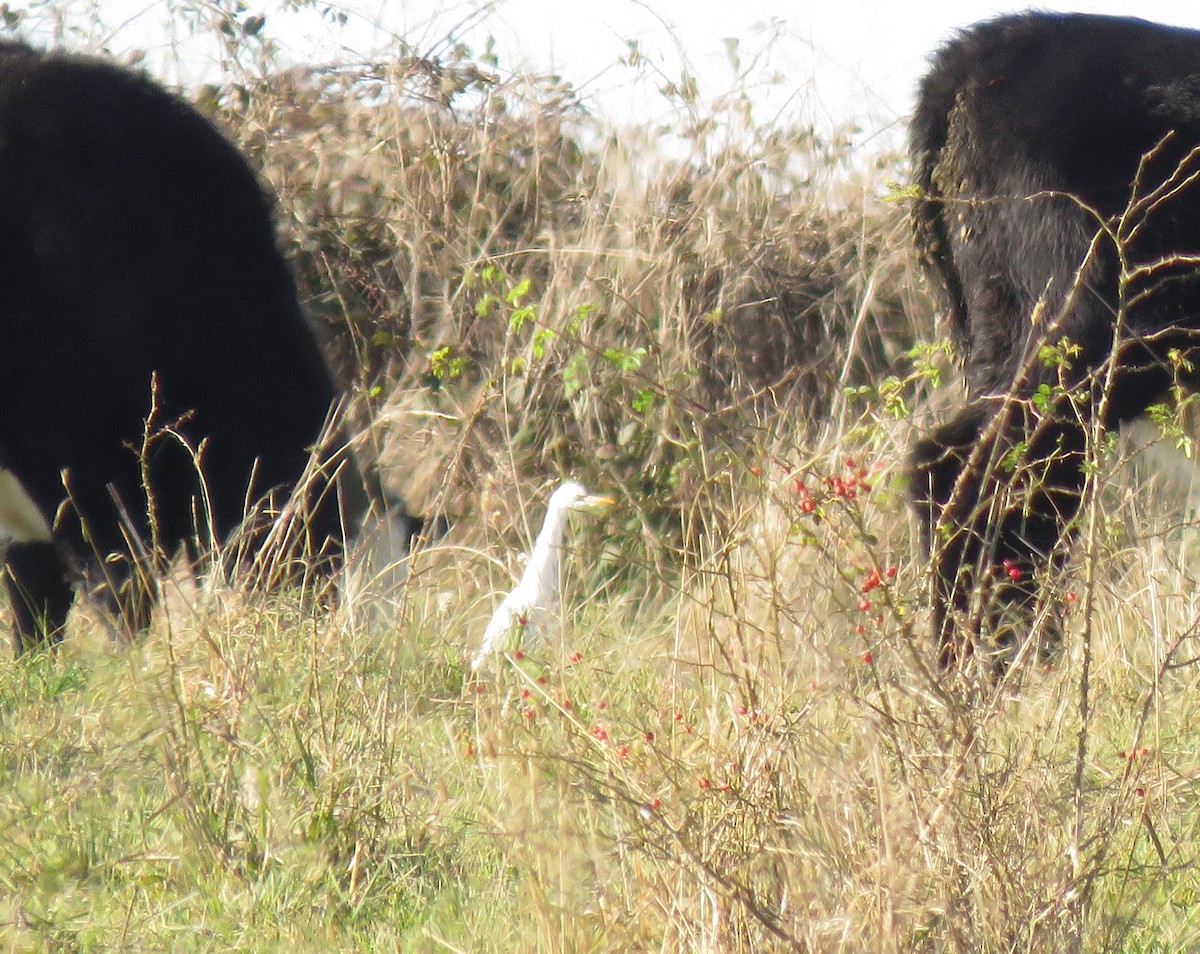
x: 846, y: 486
x: 873, y: 580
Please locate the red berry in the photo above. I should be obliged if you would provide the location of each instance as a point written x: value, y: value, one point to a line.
x: 655, y: 802
x: 524, y: 693
x: 891, y: 572
x: 648, y: 736
x: 528, y: 715
x: 518, y: 655
x: 755, y: 469
x: 575, y: 657
x: 859, y: 629
x: 703, y: 782
x: 1014, y: 573
x: 864, y: 604
x: 1071, y: 597
x: 622, y: 750
x: 808, y: 506
x: 741, y: 710
x: 867, y: 658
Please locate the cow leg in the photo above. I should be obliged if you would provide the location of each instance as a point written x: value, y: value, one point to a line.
x: 991, y: 522
x: 936, y: 464
x: 39, y: 592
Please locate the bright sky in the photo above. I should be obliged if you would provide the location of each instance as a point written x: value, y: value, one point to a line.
x: 862, y: 57
x: 838, y: 60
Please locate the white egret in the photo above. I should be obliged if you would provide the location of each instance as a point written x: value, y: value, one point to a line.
x: 530, y: 610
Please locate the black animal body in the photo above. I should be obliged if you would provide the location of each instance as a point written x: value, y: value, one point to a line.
x: 1059, y: 215
x: 158, y: 381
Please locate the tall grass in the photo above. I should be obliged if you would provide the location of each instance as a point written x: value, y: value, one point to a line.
x: 740, y: 741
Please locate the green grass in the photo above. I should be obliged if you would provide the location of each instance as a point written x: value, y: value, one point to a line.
x: 702, y: 761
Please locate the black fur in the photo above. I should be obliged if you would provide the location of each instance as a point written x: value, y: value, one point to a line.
x: 137, y: 246
x: 1033, y: 135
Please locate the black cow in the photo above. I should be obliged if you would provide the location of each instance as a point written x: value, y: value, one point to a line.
x: 158, y: 382
x: 1057, y: 158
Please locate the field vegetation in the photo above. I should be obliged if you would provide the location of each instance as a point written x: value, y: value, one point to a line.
x: 740, y: 741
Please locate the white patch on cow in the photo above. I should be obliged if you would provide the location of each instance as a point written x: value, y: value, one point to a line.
x: 20, y: 519
x: 377, y: 566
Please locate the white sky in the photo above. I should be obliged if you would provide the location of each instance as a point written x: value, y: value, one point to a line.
x: 839, y: 60
x: 862, y: 57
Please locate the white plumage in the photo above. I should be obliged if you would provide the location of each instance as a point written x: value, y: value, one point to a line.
x: 530, y: 610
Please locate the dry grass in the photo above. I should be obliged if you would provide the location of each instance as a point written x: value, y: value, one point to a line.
x: 726, y: 750
x: 709, y: 761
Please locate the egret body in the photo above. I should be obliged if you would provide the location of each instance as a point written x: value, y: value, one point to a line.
x: 530, y: 610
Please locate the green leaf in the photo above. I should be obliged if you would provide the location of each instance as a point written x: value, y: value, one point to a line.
x: 540, y: 337
x: 1041, y: 398
x: 625, y: 359
x: 1014, y: 457
x: 518, y: 318
x: 574, y: 374
x: 518, y: 291
x: 483, y: 307
x: 898, y: 191
x: 578, y: 315
x: 444, y: 366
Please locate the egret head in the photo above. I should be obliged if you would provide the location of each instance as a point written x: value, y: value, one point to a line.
x: 570, y: 496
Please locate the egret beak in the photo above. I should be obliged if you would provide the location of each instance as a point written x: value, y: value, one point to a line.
x: 593, y: 503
